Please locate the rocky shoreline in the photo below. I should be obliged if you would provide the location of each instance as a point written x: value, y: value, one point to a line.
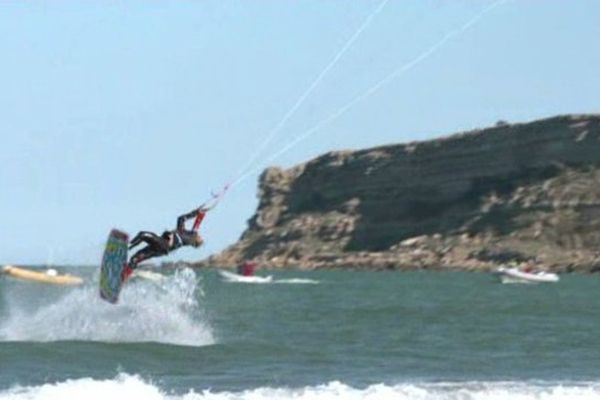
x: 472, y: 201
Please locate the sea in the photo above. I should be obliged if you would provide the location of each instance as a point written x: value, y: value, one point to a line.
x: 335, y: 334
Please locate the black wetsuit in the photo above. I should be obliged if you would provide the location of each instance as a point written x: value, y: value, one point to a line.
x: 167, y: 242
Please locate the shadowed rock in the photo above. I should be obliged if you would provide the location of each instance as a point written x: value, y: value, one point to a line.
x: 521, y: 191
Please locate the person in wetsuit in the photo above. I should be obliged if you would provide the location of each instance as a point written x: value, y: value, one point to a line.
x: 169, y: 241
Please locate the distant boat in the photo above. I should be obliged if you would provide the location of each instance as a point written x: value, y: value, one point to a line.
x: 148, y: 275
x: 516, y: 275
x: 232, y: 277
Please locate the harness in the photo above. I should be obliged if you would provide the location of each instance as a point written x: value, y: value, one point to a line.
x: 177, y: 240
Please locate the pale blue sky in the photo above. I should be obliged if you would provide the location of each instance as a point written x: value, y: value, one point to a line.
x: 127, y: 113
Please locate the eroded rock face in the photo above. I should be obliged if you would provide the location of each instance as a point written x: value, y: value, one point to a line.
x: 530, y: 190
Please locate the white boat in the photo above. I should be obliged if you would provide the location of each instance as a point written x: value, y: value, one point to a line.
x: 515, y: 275
x: 232, y: 277
x: 148, y: 275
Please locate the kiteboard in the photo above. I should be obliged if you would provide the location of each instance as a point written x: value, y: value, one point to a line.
x: 114, y: 261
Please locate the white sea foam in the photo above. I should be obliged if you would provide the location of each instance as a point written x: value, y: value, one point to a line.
x: 132, y: 387
x: 297, y: 281
x: 147, y: 312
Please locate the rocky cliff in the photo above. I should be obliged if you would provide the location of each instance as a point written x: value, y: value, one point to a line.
x: 471, y: 200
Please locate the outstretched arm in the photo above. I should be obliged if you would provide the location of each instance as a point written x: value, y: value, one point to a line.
x: 198, y: 214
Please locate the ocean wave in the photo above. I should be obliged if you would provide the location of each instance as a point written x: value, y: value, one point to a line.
x: 147, y: 312
x: 133, y: 387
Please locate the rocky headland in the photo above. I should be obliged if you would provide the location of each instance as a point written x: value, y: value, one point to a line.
x: 475, y: 200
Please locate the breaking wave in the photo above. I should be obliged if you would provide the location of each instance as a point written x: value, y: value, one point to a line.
x: 133, y: 387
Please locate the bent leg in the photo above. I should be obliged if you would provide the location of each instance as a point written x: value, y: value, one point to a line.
x: 143, y: 236
x: 143, y: 255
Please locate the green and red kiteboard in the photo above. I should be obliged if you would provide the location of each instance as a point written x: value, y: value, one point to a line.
x: 114, y: 261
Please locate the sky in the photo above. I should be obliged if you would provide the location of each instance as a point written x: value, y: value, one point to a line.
x: 128, y: 113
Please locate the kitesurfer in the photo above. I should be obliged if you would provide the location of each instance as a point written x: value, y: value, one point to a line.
x: 169, y: 241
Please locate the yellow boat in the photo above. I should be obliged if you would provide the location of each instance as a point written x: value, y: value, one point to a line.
x: 50, y: 276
